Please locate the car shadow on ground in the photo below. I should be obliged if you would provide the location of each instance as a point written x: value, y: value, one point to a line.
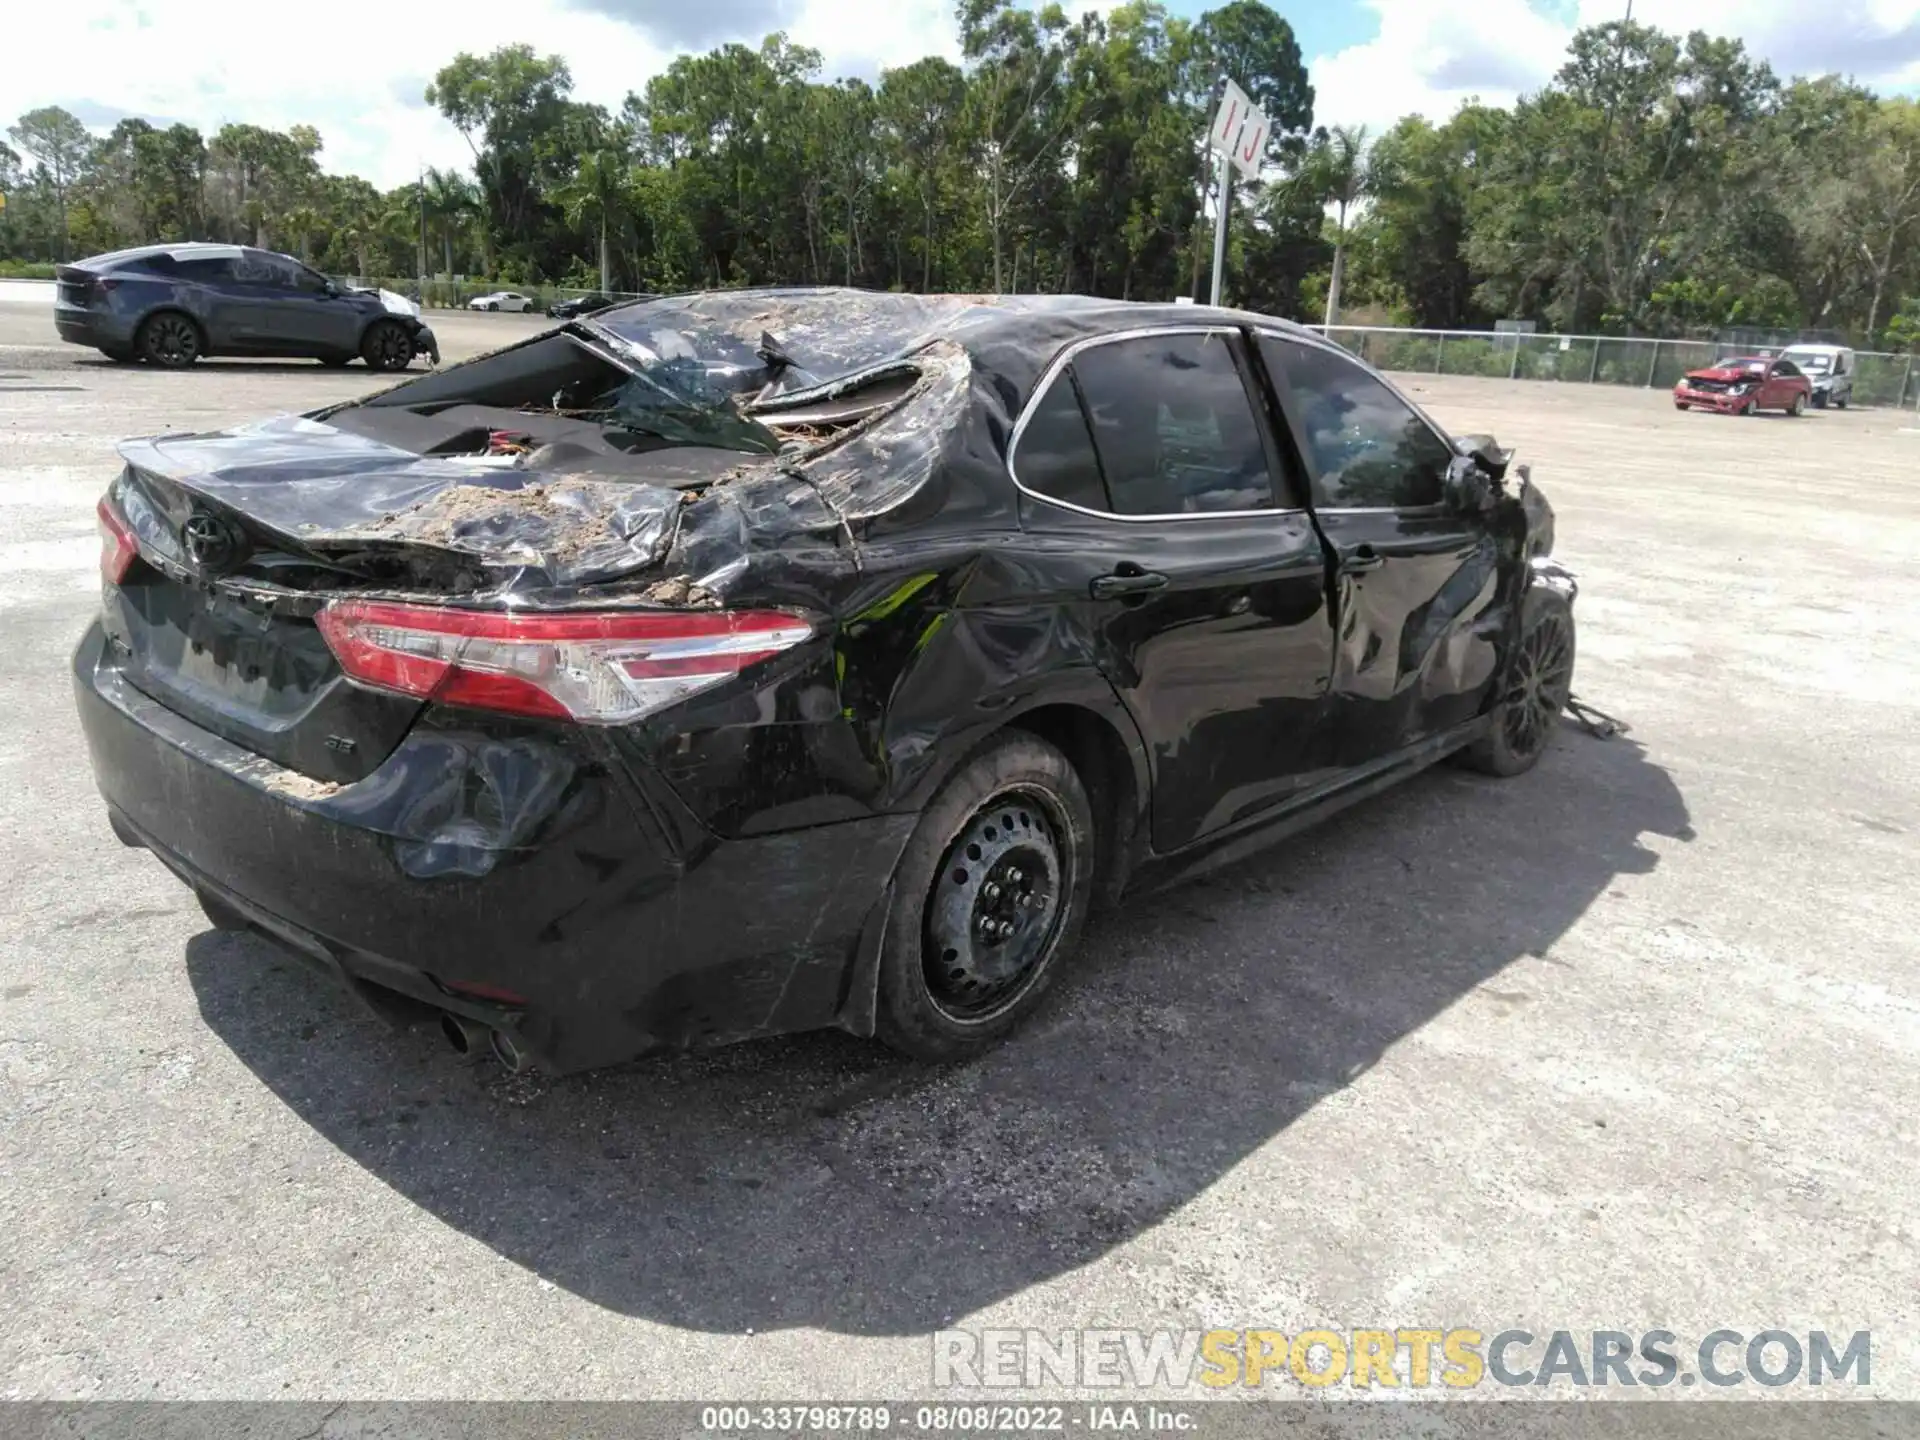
x: 821, y: 1182
x: 215, y: 364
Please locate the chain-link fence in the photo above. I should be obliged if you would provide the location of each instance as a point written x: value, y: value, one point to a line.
x: 1879, y: 378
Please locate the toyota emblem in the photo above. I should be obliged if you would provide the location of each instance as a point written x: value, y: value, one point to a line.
x: 214, y: 545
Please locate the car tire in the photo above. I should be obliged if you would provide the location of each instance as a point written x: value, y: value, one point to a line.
x: 1008, y: 842
x: 1681, y: 405
x: 1842, y: 404
x: 1798, y: 407
x: 1819, y: 400
x: 1750, y: 408
x: 386, y: 345
x: 494, y: 306
x: 170, y: 339
x: 1538, y: 685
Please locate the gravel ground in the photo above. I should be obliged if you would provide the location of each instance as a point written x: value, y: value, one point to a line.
x: 1627, y: 1043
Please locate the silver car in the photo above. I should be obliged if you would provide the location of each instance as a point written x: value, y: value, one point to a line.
x: 1830, y: 368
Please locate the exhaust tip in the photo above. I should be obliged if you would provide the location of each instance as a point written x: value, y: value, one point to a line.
x: 462, y: 1035
x: 507, y: 1051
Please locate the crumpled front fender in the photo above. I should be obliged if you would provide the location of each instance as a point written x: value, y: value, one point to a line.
x: 1544, y: 570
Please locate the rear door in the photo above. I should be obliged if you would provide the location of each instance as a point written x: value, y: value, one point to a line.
x: 1419, y: 634
x: 221, y: 302
x: 1165, y: 515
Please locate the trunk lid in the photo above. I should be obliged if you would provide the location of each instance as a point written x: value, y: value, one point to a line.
x: 246, y: 534
x: 75, y: 285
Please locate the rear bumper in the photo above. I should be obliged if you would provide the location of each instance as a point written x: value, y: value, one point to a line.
x: 79, y: 326
x: 533, y: 862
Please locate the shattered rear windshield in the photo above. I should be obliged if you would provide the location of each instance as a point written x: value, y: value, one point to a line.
x: 679, y: 397
x: 763, y: 344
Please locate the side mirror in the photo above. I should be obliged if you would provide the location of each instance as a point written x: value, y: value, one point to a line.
x: 1484, y: 452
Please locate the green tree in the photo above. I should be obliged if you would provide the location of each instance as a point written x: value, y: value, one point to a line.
x: 1889, y: 189
x: 1619, y: 175
x: 1343, y: 176
x: 56, y: 140
x: 452, y: 201
x: 922, y: 116
x: 1018, y: 108
x: 594, y: 196
x: 508, y: 105
x: 1423, y: 177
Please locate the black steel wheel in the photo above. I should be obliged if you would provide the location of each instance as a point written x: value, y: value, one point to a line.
x: 1538, y: 684
x: 990, y: 893
x: 995, y: 905
x: 386, y: 346
x: 170, y: 339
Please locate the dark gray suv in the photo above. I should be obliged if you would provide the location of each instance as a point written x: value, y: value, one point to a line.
x: 171, y: 304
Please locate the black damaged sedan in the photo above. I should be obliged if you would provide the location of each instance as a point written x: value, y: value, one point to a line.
x: 743, y: 663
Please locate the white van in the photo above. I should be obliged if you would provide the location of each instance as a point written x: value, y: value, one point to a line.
x: 1830, y: 368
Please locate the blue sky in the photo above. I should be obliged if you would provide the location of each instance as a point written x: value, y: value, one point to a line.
x: 358, y: 74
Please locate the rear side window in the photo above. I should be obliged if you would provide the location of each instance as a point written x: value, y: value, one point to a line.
x: 1370, y: 449
x: 1173, y: 426
x: 204, y: 272
x: 1055, y: 457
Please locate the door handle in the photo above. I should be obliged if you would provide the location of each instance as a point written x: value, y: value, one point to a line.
x: 1126, y: 580
x: 1362, y: 560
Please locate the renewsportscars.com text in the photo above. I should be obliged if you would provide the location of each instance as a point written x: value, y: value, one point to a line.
x: 1451, y: 1359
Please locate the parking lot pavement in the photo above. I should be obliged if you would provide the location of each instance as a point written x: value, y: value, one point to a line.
x: 1626, y: 1043
x: 29, y: 341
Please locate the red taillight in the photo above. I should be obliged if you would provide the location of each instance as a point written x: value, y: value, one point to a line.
x: 485, y: 992
x: 118, y: 550
x: 602, y: 667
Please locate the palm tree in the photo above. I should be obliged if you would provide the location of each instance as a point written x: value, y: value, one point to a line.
x: 594, y: 194
x: 451, y: 198
x: 1340, y: 165
x: 301, y: 221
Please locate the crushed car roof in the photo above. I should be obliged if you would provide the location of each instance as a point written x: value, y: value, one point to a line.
x: 832, y: 333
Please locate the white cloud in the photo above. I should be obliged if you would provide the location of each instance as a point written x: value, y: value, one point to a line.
x: 355, y: 68
x: 1876, y: 41
x: 1432, y: 55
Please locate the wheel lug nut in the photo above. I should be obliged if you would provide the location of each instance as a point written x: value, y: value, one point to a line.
x: 990, y: 891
